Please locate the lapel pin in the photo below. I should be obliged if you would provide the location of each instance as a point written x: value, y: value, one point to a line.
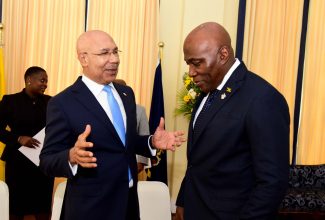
x: 228, y: 89
x: 223, y: 96
x: 125, y: 94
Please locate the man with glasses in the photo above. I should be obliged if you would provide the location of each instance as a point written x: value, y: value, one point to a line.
x: 91, y: 137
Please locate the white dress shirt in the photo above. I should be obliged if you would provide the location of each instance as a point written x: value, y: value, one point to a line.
x: 101, y: 96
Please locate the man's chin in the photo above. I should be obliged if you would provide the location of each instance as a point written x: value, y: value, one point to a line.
x: 110, y: 74
x: 110, y: 78
x: 204, y: 89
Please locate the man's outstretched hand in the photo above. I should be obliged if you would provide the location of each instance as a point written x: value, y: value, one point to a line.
x: 167, y: 140
x: 79, y: 153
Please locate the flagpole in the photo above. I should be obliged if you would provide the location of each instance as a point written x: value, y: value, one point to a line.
x: 1, y: 35
x: 2, y: 92
x: 161, y: 46
x: 158, y: 171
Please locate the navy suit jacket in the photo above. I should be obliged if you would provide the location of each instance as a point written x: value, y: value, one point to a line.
x: 101, y: 192
x: 238, y: 158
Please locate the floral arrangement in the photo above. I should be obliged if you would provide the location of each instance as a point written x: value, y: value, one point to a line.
x: 186, y: 97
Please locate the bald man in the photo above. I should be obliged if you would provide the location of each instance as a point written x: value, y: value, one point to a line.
x: 83, y: 144
x: 238, y: 139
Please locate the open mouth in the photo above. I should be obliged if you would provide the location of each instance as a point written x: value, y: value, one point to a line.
x: 111, y: 70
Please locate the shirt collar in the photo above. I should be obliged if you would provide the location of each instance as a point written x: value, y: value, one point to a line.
x: 228, y: 74
x: 94, y: 87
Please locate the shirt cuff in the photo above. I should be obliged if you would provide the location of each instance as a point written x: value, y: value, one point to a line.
x: 153, y: 151
x: 74, y: 168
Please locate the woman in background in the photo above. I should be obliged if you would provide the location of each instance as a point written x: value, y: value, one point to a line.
x: 24, y: 113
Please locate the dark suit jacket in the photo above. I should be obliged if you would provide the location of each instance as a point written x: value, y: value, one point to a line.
x: 238, y: 158
x: 30, y: 191
x: 102, y: 192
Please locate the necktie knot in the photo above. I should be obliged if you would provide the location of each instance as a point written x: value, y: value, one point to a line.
x: 108, y: 89
x: 210, y: 99
x: 206, y: 106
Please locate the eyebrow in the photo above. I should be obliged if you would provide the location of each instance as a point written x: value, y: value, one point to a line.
x: 191, y: 60
x: 108, y: 49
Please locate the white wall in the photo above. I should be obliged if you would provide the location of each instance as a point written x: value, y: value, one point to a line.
x: 177, y: 19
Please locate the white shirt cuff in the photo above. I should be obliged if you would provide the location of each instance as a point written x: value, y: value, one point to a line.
x: 74, y: 168
x: 152, y: 150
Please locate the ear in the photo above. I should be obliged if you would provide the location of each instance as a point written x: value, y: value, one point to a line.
x: 83, y: 59
x: 28, y: 80
x: 224, y: 54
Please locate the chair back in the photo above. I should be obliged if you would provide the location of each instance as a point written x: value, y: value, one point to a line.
x: 4, y: 198
x: 154, y: 200
x: 58, y: 200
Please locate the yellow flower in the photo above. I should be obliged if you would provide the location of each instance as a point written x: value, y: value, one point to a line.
x: 187, y: 98
x: 187, y: 82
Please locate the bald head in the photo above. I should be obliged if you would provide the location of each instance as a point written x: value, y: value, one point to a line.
x: 98, y: 55
x: 212, y: 32
x: 208, y: 52
x: 90, y: 39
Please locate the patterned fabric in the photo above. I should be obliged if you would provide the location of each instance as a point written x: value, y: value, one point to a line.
x: 306, y: 190
x: 206, y: 106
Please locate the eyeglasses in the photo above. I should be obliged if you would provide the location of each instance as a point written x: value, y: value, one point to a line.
x: 107, y: 52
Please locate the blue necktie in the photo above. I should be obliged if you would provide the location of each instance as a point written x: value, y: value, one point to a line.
x: 116, y: 114
x: 117, y: 118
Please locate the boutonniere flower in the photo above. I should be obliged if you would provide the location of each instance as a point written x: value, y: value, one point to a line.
x: 186, y: 97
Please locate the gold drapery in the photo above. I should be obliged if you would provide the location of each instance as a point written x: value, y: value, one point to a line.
x: 44, y: 33
x: 2, y: 92
x: 311, y: 139
x: 271, y: 44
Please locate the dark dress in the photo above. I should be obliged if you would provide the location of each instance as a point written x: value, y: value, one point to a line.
x: 30, y: 191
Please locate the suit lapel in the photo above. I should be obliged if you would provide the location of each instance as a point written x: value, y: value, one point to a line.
x: 190, y: 127
x: 229, y: 89
x: 88, y: 101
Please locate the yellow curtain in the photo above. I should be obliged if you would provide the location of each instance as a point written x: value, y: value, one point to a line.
x: 133, y: 25
x: 2, y: 74
x: 2, y: 92
x: 271, y: 44
x: 42, y: 33
x: 311, y: 139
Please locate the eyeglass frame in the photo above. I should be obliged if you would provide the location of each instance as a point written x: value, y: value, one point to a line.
x: 116, y: 52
